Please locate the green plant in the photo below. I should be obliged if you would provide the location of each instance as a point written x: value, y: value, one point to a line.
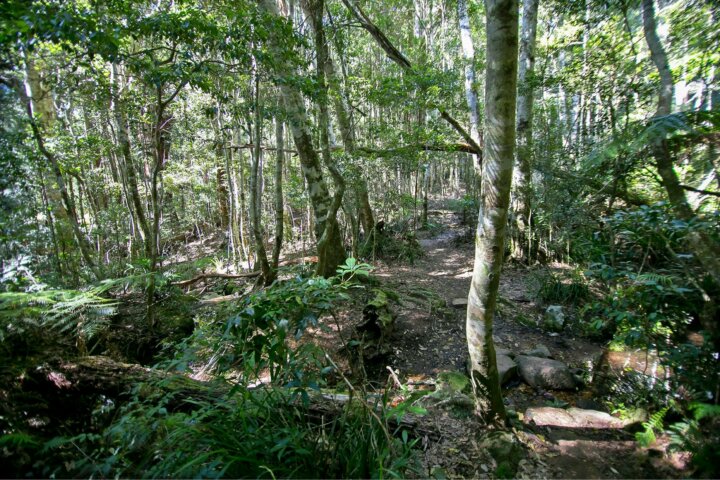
x: 654, y: 424
x: 699, y: 436
x: 558, y: 288
x: 267, y: 419
x: 81, y: 314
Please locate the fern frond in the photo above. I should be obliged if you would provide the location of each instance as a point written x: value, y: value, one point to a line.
x: 705, y: 410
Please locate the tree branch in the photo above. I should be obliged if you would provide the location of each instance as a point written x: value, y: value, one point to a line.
x: 204, y: 276
x: 396, y: 56
x: 698, y: 190
x: 433, y: 147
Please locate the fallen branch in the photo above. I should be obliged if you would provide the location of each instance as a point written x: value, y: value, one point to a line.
x: 204, y: 276
x: 432, y: 147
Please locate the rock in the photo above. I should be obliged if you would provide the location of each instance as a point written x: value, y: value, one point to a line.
x: 620, y: 372
x: 504, y: 351
x: 540, y: 350
x: 507, y: 369
x: 554, y: 319
x: 571, y: 418
x: 545, y: 373
x: 459, y: 302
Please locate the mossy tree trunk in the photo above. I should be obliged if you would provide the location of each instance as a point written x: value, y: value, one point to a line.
x: 500, y: 96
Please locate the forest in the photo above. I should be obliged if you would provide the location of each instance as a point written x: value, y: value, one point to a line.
x: 359, y: 239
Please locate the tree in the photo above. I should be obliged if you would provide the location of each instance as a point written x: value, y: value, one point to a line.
x: 500, y: 96
x: 705, y: 248
x: 331, y: 251
x: 523, y: 178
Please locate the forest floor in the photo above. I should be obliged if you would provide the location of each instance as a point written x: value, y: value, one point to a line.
x: 430, y: 339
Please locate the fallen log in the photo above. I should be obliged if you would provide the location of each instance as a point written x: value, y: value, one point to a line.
x: 205, y: 276
x: 73, y: 389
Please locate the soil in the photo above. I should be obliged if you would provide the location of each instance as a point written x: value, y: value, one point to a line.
x: 429, y: 338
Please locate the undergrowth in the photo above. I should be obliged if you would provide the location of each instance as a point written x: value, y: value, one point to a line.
x: 263, y: 416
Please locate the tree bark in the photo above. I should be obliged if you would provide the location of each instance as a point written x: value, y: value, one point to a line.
x: 500, y: 96
x: 130, y: 171
x: 255, y: 193
x: 279, y: 204
x: 37, y: 129
x: 333, y: 251
x: 314, y: 9
x: 468, y: 51
x: 523, y: 178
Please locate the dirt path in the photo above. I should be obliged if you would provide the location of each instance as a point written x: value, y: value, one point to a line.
x: 430, y: 338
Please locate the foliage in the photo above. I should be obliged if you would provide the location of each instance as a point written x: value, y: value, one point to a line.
x: 554, y: 287
x: 394, y: 243
x: 699, y: 434
x: 254, y: 427
x: 80, y: 314
x: 655, y: 424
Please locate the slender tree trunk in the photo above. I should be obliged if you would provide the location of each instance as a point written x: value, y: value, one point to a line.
x: 706, y: 249
x: 500, y: 95
x: 241, y: 212
x: 347, y: 132
x: 279, y: 204
x: 227, y: 154
x: 130, y: 170
x: 331, y: 236
x: 332, y: 253
x: 37, y: 130
x: 468, y: 51
x: 255, y: 190
x: 523, y: 178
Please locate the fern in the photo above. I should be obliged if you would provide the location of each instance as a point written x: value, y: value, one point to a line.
x: 655, y: 423
x: 79, y: 313
x: 705, y: 410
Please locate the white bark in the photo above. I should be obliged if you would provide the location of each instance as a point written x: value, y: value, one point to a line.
x: 500, y: 96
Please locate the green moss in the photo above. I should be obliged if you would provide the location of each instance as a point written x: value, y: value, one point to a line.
x: 453, y: 382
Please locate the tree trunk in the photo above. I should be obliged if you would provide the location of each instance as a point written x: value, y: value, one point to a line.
x: 705, y: 248
x: 130, y: 171
x: 332, y: 253
x: 29, y: 104
x: 279, y: 204
x: 256, y: 193
x: 500, y: 95
x: 468, y: 51
x: 523, y: 178
x: 347, y: 132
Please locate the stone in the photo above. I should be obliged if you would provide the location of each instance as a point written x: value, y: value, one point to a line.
x: 504, y: 351
x: 507, y: 369
x: 571, y: 418
x: 546, y: 373
x: 459, y: 302
x: 539, y: 350
x: 615, y: 371
x: 554, y: 319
